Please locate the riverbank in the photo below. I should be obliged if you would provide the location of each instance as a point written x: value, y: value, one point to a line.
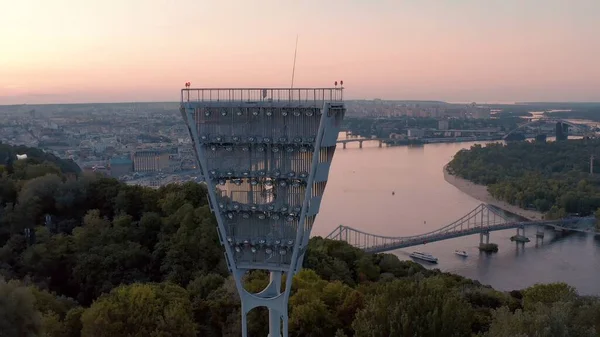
x: 481, y: 193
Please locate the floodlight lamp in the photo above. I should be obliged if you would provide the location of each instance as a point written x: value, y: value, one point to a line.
x: 290, y: 218
x: 268, y: 251
x: 291, y: 174
x: 213, y: 172
x: 261, y: 241
x: 262, y: 173
x: 245, y: 173
x: 222, y: 182
x: 295, y: 183
x: 275, y: 149
x: 245, y: 215
x: 239, y: 112
x: 296, y: 112
x: 284, y: 208
x: 253, y: 182
x: 261, y: 216
x: 244, y: 149
x: 270, y: 208
x: 253, y: 250
x: 230, y: 240
x: 303, y: 149
x: 309, y: 112
x: 238, y: 249
x: 219, y: 138
x: 289, y: 149
x: 310, y: 139
x: 213, y: 148
x: 282, y: 252
x: 269, y: 113
x: 276, y: 173
x: 284, y: 112
x: 236, y: 206
x: 277, y: 242
x: 260, y: 149
x: 275, y: 216
x: 290, y: 242
x: 204, y: 137
x: 230, y: 173
x: 267, y: 140
x: 282, y: 183
x: 255, y: 112
x: 229, y: 148
x: 207, y: 113
x: 297, y: 209
x: 230, y: 216
x: 246, y: 242
x: 221, y: 205
x: 303, y: 174
x: 298, y: 140
x: 254, y: 207
x: 268, y: 183
x: 251, y: 139
x: 283, y: 140
x: 224, y: 112
x: 236, y: 138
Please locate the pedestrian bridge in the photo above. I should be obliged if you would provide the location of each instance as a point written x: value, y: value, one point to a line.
x: 482, y: 220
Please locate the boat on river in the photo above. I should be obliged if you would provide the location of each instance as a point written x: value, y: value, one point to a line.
x: 424, y: 256
x: 461, y: 253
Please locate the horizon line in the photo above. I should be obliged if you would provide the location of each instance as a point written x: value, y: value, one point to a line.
x: 346, y: 100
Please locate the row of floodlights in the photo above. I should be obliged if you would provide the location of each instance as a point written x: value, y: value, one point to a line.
x: 262, y: 148
x: 289, y: 217
x: 262, y: 173
x: 254, y: 139
x: 234, y: 206
x: 297, y: 112
x: 266, y: 183
x: 255, y: 246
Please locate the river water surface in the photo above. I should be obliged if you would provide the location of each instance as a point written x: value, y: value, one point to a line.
x: 359, y: 195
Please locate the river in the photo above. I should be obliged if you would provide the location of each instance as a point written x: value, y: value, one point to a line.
x: 359, y: 195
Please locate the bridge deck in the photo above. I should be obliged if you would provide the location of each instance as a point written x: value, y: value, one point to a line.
x: 487, y: 222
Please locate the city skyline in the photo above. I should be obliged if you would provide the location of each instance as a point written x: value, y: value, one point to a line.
x: 109, y: 51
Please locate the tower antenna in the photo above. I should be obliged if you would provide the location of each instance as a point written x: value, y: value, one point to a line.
x: 294, y: 67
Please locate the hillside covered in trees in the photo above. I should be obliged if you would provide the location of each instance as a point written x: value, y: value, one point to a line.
x: 87, y: 256
x: 552, y: 177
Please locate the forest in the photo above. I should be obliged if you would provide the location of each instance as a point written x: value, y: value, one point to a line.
x: 551, y: 177
x: 85, y: 255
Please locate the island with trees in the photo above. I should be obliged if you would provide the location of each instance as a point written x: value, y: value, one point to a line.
x: 85, y: 255
x: 551, y: 177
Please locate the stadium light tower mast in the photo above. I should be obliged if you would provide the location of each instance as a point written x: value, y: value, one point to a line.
x: 265, y: 155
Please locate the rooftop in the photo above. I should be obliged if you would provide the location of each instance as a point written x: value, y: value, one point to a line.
x: 262, y: 95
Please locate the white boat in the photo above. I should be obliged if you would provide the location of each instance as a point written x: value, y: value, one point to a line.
x: 461, y: 253
x: 424, y: 256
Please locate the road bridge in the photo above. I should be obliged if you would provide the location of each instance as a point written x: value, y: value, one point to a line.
x: 482, y: 220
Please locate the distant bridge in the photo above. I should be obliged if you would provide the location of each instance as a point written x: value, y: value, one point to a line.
x: 482, y: 220
x: 361, y: 140
x: 544, y: 120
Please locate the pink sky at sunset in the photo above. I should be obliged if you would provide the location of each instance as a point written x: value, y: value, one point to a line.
x: 64, y: 51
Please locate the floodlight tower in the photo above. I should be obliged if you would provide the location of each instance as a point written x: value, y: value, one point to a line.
x: 265, y: 155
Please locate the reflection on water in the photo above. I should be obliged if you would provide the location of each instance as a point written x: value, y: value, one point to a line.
x: 359, y: 195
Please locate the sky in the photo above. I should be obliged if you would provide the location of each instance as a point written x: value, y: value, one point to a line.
x: 70, y: 51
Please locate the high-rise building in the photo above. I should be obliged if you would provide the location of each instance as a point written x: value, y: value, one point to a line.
x: 265, y: 155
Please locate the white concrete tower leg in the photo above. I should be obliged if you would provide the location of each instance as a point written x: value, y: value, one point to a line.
x: 244, y: 321
x: 275, y: 315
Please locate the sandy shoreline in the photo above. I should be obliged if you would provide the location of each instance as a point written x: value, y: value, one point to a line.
x: 480, y: 193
